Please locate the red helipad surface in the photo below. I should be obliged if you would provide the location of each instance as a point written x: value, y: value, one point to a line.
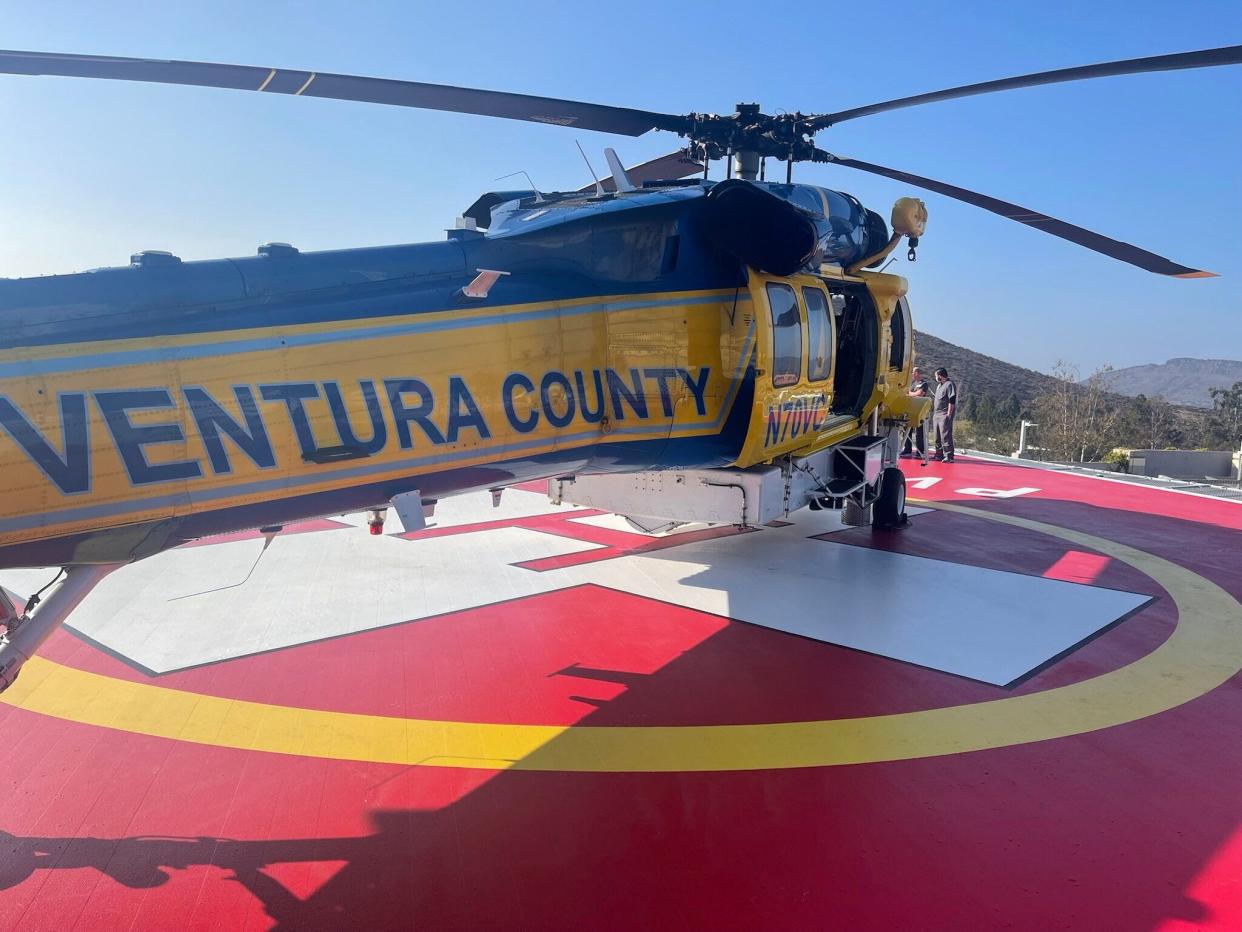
x: 579, y: 777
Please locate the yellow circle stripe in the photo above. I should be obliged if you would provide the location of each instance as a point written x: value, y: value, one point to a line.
x: 1204, y: 650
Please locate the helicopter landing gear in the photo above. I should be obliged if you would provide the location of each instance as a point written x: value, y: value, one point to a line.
x: 889, y: 509
x: 27, y: 632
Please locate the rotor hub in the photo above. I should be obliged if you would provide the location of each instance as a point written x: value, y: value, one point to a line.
x: 785, y: 136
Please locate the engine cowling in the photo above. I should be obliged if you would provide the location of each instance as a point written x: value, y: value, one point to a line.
x: 780, y: 228
x: 758, y: 228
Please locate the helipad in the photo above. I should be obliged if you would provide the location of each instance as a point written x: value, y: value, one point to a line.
x: 1022, y: 711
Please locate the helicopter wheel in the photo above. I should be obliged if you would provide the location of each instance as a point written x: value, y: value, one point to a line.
x: 889, y: 510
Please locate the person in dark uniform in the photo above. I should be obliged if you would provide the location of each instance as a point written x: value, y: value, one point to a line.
x: 918, y: 389
x: 944, y: 407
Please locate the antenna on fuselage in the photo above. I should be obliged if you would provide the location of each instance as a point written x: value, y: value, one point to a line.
x: 599, y: 188
x: 269, y: 533
x: 619, y: 177
x: 538, y: 196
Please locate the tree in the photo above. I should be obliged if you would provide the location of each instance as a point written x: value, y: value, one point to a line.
x: 1010, y: 410
x: 1101, y: 418
x: 1055, y: 410
x: 985, y: 413
x: 1225, y: 421
x: 1077, y: 422
x: 1153, y: 422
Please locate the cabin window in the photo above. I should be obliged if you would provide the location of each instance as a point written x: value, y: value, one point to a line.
x: 786, y: 335
x: 818, y: 335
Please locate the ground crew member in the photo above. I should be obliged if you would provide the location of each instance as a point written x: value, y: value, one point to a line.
x: 944, y: 407
x: 918, y: 389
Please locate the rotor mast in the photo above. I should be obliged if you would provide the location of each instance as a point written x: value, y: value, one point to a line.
x: 746, y: 155
x: 746, y: 164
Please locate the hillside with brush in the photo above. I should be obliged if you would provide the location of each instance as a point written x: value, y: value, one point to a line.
x: 978, y: 374
x: 995, y: 395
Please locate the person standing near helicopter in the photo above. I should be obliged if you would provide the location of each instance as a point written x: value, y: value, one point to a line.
x: 918, y: 389
x: 944, y: 407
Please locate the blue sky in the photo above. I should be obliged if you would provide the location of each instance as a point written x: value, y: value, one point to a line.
x: 92, y: 171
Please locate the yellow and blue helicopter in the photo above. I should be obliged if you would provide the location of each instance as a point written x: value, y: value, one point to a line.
x: 663, y: 345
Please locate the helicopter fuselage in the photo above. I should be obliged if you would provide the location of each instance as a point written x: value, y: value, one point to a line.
x: 145, y: 406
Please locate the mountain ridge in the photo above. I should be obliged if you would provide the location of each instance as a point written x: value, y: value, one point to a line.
x: 998, y: 394
x: 981, y: 374
x: 1183, y: 380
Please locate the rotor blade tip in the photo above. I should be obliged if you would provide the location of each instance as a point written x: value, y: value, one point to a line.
x: 1198, y: 275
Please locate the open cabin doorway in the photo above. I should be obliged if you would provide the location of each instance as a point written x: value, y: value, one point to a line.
x: 857, y: 342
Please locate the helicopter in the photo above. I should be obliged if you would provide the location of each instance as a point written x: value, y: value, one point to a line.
x: 660, y: 344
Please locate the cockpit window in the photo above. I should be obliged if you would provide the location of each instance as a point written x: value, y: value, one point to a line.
x: 786, y: 335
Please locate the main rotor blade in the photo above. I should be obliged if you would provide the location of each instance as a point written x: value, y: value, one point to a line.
x: 669, y: 167
x: 1207, y: 58
x: 1112, y: 248
x: 577, y: 114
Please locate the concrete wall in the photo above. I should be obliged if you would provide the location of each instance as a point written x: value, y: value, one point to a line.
x: 1183, y: 464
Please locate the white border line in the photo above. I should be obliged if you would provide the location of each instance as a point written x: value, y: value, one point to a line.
x: 1086, y: 474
